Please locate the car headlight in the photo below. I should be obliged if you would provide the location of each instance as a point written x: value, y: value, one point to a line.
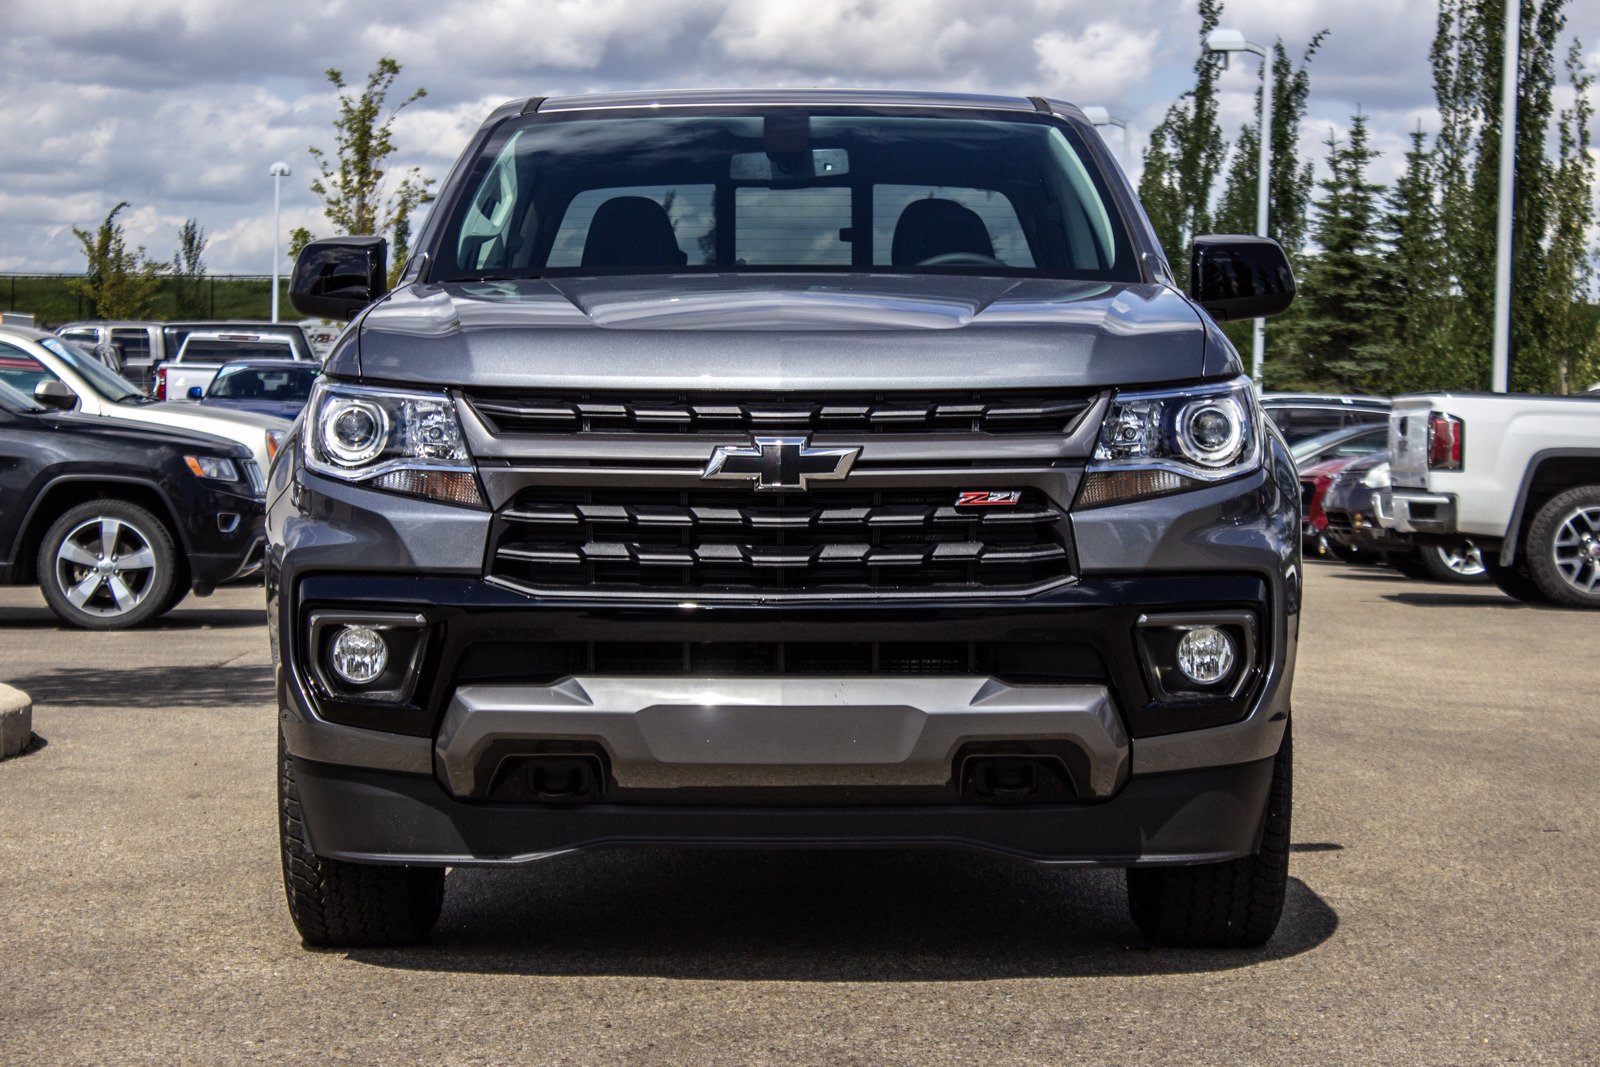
x: 274, y: 443
x: 215, y: 468
x: 1168, y: 440
x: 397, y: 440
x: 1377, y: 477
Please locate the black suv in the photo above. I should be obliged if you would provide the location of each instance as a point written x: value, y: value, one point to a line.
x: 118, y: 521
x: 785, y: 468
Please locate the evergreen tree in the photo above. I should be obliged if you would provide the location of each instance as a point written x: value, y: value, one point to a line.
x: 1412, y: 230
x: 1574, y: 338
x: 1348, y: 299
x: 1185, y: 155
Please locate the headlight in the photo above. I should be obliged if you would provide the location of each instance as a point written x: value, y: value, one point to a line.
x: 1377, y: 477
x: 221, y: 470
x: 1173, y: 439
x: 274, y: 443
x: 400, y: 441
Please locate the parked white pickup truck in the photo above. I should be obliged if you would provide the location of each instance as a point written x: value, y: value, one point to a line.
x: 1519, y: 475
x: 203, y: 354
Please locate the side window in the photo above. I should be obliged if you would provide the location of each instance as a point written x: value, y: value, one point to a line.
x: 135, y: 344
x: 487, y: 241
x: 689, y: 208
x: 83, y: 337
x: 998, y: 216
x: 21, y: 371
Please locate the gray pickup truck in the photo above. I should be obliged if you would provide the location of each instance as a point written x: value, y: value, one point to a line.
x: 790, y: 468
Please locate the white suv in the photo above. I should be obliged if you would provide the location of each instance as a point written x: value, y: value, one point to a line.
x: 42, y: 366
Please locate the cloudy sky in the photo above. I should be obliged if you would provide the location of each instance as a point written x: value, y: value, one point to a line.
x: 180, y: 106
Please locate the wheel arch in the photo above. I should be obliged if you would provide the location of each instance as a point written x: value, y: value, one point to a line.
x: 1549, y: 473
x: 70, y: 490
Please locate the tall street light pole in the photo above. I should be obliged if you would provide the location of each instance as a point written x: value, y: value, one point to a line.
x: 1508, y: 186
x: 1226, y: 42
x: 1100, y: 116
x: 278, y: 172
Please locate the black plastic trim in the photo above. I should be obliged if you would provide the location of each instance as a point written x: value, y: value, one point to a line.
x: 1185, y: 817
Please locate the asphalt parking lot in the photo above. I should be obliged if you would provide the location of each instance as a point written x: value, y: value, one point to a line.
x: 1445, y: 902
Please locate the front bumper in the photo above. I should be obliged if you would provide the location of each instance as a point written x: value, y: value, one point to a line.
x: 1201, y: 816
x: 857, y: 756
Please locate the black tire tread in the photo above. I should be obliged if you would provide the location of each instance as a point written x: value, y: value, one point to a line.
x: 1233, y: 904
x: 1539, y: 559
x: 337, y: 904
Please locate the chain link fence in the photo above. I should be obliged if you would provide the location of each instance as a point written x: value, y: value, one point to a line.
x: 54, y: 298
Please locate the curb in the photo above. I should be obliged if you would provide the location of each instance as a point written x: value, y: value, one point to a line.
x: 16, y: 721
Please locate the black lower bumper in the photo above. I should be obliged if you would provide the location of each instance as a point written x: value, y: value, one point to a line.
x: 1185, y: 817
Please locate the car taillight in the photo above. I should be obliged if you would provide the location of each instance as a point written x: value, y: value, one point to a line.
x: 160, y: 390
x: 1318, y: 517
x: 1446, y: 436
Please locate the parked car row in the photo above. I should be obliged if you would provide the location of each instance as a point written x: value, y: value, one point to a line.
x: 1340, y: 445
x: 138, y: 350
x: 118, y: 505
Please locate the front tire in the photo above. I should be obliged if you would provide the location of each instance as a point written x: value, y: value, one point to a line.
x: 1233, y: 904
x: 339, y: 904
x: 107, y: 565
x: 1563, y: 554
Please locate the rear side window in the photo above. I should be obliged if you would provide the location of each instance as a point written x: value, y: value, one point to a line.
x: 135, y: 344
x: 687, y: 209
x: 21, y: 371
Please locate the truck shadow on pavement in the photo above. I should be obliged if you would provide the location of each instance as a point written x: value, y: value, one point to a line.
x: 181, y: 619
x: 150, y: 687
x: 826, y: 916
x: 1456, y: 600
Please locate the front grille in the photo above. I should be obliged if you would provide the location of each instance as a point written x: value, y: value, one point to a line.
x: 739, y: 540
x: 689, y: 413
x: 1340, y: 521
x: 1012, y: 662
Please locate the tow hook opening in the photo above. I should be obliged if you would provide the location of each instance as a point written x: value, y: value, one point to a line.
x: 1015, y: 779
x: 565, y: 779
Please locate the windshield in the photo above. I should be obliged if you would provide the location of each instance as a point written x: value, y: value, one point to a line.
x: 263, y: 383
x: 1357, y: 441
x: 785, y: 190
x: 207, y: 350
x: 102, y: 379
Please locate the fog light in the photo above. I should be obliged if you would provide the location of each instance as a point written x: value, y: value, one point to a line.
x: 359, y: 655
x: 1205, y: 655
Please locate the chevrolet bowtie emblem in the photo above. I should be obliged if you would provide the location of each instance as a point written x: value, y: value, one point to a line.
x: 775, y: 463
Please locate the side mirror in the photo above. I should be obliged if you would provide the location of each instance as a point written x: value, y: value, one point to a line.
x: 336, y: 277
x: 195, y: 392
x: 55, y: 394
x: 1238, y: 277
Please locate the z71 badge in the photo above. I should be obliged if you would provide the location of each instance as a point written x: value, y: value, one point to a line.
x: 985, y: 498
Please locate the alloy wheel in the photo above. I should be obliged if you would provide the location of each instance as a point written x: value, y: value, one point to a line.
x: 105, y: 567
x: 1577, y: 549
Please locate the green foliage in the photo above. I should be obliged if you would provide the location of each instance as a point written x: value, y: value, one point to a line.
x: 56, y: 298
x: 1289, y: 179
x: 1341, y: 338
x: 351, y: 181
x: 1184, y: 157
x: 117, y: 283
x: 189, y: 270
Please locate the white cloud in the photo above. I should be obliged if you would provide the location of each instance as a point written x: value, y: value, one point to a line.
x: 179, y: 106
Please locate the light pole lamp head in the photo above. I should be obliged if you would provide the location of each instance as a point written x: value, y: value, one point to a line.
x: 278, y: 170
x: 1227, y: 41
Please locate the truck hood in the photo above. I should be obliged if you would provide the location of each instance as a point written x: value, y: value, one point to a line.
x: 780, y: 332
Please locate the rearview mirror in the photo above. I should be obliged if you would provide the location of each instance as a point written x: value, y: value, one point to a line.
x: 338, y: 276
x: 55, y: 394
x: 1240, y: 277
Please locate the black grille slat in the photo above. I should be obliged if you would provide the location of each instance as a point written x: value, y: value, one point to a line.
x: 687, y: 413
x: 742, y: 540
